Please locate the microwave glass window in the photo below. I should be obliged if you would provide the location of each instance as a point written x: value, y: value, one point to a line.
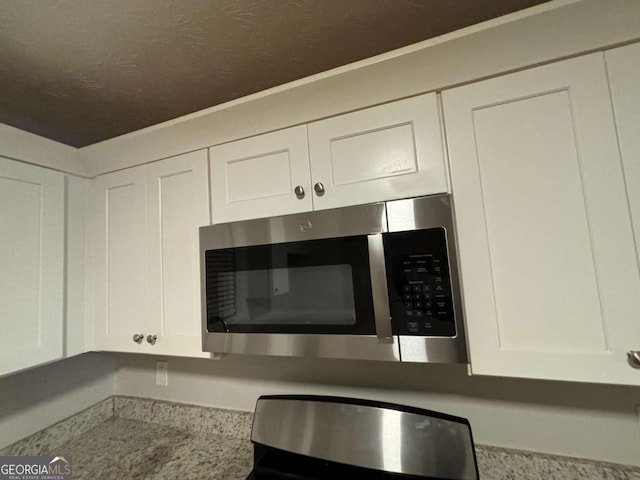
x: 301, y: 287
x: 320, y: 295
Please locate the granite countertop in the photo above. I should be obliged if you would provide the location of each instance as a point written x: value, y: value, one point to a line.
x: 136, y: 438
x: 122, y: 448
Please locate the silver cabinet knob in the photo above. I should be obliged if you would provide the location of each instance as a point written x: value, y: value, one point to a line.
x: 152, y: 339
x: 138, y: 337
x: 299, y: 191
x: 634, y: 358
x: 319, y: 189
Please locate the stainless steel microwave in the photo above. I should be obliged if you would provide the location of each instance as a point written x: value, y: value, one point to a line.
x: 375, y: 282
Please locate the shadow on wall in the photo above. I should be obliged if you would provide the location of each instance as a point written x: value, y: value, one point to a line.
x: 76, y: 376
x: 449, y: 380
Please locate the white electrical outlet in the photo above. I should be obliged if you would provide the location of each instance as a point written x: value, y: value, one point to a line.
x: 162, y: 373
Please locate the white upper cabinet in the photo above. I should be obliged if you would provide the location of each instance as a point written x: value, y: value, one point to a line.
x: 258, y: 176
x: 177, y: 204
x: 623, y: 65
x: 31, y: 265
x: 386, y: 152
x: 146, y: 256
x: 548, y: 265
x: 119, y: 260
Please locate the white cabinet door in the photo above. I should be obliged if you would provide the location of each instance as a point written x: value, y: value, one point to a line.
x: 119, y: 260
x: 257, y: 177
x: 31, y: 265
x: 623, y: 65
x: 381, y: 153
x: 177, y: 204
x: 548, y: 265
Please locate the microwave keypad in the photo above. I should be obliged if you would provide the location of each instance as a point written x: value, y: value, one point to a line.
x: 420, y: 291
x: 426, y: 297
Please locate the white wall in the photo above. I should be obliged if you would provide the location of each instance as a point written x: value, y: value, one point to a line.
x: 582, y: 420
x: 40, y: 397
x: 27, y: 147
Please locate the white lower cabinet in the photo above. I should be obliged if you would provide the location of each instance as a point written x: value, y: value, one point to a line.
x: 548, y: 265
x: 380, y: 153
x: 31, y: 265
x: 146, y: 292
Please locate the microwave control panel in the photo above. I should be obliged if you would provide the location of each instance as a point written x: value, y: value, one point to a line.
x: 419, y: 283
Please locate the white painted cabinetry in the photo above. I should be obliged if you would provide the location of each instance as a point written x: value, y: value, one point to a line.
x: 623, y: 65
x: 548, y: 265
x: 258, y: 176
x: 145, y: 256
x: 380, y: 153
x: 119, y: 260
x: 177, y: 204
x: 31, y: 265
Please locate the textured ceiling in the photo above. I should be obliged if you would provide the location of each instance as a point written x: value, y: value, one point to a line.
x: 82, y: 71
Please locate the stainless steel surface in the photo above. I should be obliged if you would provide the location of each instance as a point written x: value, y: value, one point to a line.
x: 367, y: 436
x: 138, y: 337
x: 299, y: 191
x: 634, y: 358
x: 319, y: 189
x: 433, y: 349
x: 360, y: 220
x: 431, y: 212
x: 340, y: 222
x: 152, y: 339
x: 379, y: 288
x: 364, y: 347
x: 418, y: 213
x: 399, y: 215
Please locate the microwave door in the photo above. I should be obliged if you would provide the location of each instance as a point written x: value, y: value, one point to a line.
x: 317, y: 286
x: 324, y: 297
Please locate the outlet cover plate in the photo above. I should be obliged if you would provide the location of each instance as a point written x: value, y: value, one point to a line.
x: 162, y: 373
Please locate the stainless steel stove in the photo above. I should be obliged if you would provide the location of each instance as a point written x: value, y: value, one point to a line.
x: 317, y: 437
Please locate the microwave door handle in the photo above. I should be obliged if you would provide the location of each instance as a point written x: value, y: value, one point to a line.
x: 378, y: 273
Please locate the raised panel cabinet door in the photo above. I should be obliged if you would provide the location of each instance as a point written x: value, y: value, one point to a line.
x: 119, y: 260
x: 623, y: 65
x: 381, y: 153
x: 31, y: 265
x: 262, y: 176
x: 177, y: 205
x: 548, y: 266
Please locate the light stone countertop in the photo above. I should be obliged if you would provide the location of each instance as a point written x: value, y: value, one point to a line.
x: 138, y: 438
x: 130, y: 449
